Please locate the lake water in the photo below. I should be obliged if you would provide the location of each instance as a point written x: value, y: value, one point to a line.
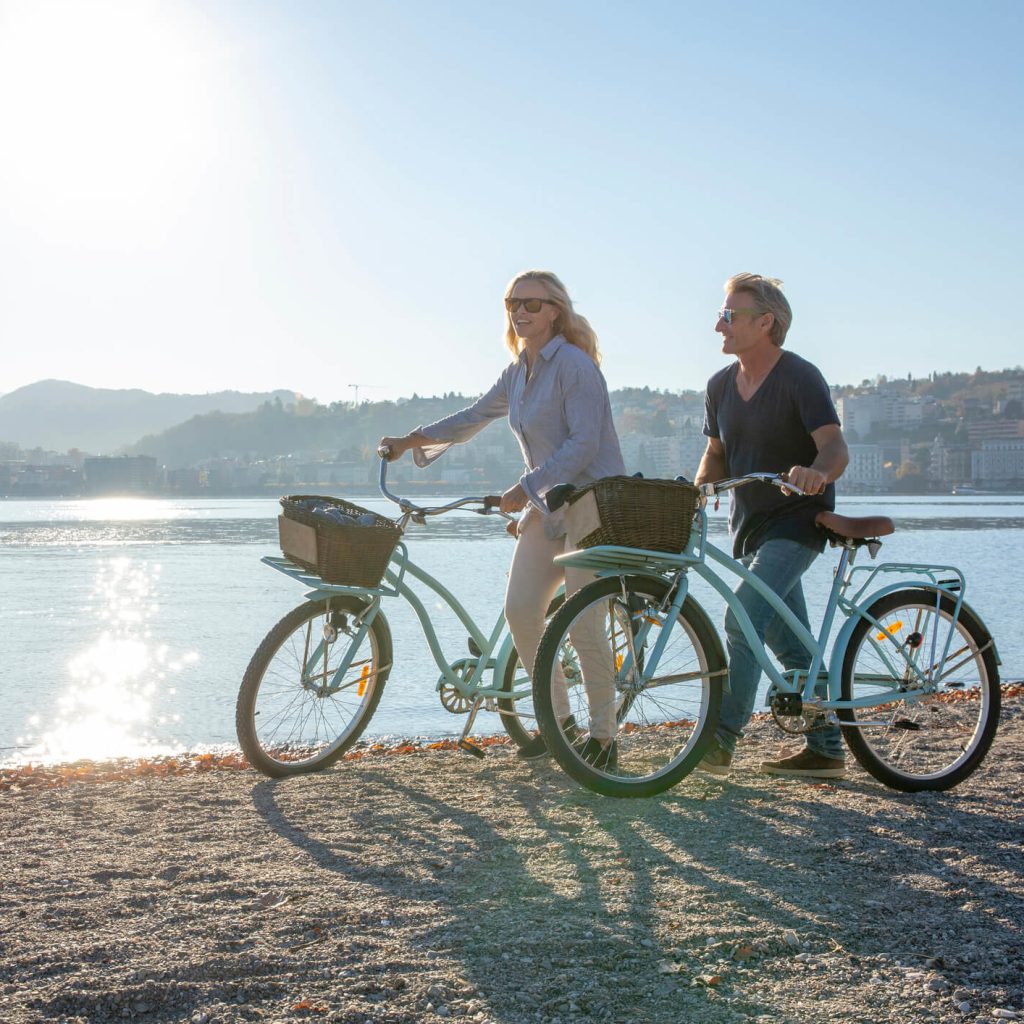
x: 127, y: 624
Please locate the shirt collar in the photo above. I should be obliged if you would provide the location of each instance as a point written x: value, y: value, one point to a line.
x: 549, y: 350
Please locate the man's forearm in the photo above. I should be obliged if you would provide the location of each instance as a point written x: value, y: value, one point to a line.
x: 712, y: 467
x: 832, y: 459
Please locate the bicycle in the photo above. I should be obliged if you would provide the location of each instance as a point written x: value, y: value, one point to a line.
x: 315, y: 681
x: 912, y: 678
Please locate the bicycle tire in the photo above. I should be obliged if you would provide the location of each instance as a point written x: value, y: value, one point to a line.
x: 511, y: 711
x: 288, y: 726
x: 663, y: 729
x: 933, y: 743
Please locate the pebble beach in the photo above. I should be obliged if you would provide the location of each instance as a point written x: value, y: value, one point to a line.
x: 425, y: 885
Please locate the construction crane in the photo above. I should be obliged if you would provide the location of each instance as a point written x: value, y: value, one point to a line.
x: 356, y: 387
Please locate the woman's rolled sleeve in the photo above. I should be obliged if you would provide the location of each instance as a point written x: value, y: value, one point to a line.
x: 463, y: 425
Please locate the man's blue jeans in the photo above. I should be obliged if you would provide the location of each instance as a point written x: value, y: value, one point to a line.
x: 779, y: 564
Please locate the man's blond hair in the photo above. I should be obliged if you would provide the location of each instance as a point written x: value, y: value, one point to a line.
x: 766, y: 294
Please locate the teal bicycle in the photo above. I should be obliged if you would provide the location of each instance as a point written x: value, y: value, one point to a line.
x: 912, y: 678
x: 314, y: 682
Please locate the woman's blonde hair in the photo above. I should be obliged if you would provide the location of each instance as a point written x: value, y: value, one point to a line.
x: 574, y: 328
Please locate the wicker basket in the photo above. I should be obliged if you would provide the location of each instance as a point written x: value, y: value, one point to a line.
x: 350, y: 555
x: 631, y: 512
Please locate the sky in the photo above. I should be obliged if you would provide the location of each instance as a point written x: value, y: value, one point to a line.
x: 325, y: 197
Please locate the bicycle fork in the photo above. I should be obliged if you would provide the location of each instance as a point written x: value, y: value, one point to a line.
x: 678, y: 591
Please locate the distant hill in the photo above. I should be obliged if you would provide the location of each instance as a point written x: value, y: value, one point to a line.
x: 275, y: 429
x: 307, y: 429
x: 59, y: 415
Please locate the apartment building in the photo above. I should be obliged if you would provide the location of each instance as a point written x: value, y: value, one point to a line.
x: 865, y: 469
x: 999, y: 463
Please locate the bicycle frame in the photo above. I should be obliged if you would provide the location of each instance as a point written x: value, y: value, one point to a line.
x: 617, y: 561
x: 496, y: 648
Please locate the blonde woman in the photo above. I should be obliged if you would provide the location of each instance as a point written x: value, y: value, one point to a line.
x: 556, y: 400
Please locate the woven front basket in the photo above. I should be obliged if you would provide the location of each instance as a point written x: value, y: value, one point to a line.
x: 349, y: 555
x: 655, y: 515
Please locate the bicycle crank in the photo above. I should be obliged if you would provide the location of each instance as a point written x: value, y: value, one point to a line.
x: 795, y: 716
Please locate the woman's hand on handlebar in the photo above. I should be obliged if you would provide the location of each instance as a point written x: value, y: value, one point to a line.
x: 514, y: 499
x: 392, y: 448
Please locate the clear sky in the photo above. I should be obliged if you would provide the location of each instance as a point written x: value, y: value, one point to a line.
x: 313, y: 195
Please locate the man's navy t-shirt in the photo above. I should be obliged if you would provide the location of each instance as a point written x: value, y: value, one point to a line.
x: 771, y: 433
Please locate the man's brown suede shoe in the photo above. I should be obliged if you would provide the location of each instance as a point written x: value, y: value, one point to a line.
x: 808, y: 765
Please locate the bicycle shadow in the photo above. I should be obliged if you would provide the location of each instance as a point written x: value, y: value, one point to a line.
x: 604, y: 892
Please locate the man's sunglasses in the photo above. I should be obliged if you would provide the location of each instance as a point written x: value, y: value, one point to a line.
x: 531, y: 305
x: 728, y: 315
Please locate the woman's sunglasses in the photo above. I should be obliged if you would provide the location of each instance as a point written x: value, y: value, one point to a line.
x: 531, y: 305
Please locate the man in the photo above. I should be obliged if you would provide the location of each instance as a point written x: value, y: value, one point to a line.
x: 770, y: 411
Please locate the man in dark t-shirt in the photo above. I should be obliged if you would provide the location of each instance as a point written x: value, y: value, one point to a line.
x: 770, y: 411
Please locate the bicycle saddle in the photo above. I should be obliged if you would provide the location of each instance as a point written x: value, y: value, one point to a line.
x: 855, y: 527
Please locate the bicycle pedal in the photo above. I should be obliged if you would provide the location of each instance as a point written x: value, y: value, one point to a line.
x: 905, y: 723
x: 471, y: 748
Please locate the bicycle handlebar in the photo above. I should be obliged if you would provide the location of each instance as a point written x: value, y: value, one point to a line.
x: 489, y: 502
x: 712, y: 490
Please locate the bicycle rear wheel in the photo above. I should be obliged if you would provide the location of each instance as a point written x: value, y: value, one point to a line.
x: 295, y: 714
x: 601, y: 643
x: 932, y: 742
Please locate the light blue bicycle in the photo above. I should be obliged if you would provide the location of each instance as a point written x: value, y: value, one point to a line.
x: 912, y: 677
x: 316, y: 679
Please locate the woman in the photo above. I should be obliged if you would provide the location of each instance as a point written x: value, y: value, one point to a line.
x: 557, y: 404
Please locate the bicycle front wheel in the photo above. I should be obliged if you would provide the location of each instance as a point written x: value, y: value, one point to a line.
x: 920, y: 743
x: 296, y: 711
x: 627, y: 695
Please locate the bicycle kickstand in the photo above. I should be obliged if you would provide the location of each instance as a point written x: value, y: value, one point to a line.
x: 465, y: 743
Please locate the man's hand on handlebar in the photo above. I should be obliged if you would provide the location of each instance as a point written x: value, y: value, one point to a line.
x: 806, y: 480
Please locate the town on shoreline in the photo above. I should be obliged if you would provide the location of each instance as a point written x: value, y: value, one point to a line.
x: 943, y: 434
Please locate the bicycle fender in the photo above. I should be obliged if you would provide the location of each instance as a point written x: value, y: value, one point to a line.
x: 697, y: 609
x: 835, y: 665
x: 502, y: 657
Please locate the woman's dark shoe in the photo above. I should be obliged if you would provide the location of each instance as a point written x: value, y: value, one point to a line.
x: 537, y: 748
x: 603, y: 755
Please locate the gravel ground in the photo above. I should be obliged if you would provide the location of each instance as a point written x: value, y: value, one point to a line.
x: 434, y: 886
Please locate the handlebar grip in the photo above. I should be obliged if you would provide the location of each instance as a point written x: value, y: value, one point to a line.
x: 783, y: 483
x: 492, y: 500
x: 384, y: 450
x: 558, y: 496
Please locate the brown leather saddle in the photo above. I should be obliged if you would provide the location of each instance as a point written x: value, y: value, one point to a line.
x: 856, y: 529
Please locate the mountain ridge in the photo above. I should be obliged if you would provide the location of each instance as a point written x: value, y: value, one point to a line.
x: 60, y: 415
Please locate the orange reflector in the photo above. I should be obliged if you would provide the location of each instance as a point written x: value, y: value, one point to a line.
x: 363, y: 679
x: 894, y: 628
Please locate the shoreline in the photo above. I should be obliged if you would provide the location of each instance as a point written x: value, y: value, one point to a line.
x: 48, y: 774
x: 411, y: 489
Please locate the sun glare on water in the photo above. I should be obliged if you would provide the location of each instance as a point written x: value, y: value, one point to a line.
x: 107, y: 705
